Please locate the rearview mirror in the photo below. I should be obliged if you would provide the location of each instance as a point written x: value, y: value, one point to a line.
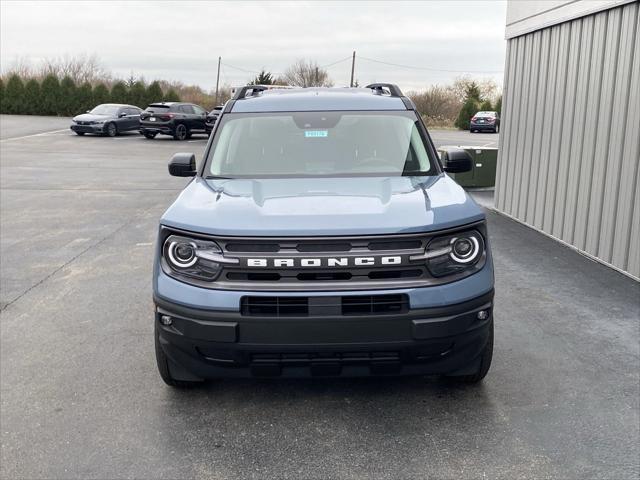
x: 456, y: 160
x: 183, y: 165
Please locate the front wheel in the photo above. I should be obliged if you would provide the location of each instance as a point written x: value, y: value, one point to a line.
x: 111, y: 130
x: 181, y: 132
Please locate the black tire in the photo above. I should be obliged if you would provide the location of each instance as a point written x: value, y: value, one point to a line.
x: 163, y: 367
x: 181, y: 132
x: 80, y: 133
x: 110, y: 129
x: 150, y: 135
x: 497, y: 129
x: 189, y: 135
x: 485, y: 363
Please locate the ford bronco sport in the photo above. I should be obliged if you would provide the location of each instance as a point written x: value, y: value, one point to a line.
x: 321, y: 236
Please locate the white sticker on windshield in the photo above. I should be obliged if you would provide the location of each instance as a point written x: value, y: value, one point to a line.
x: 316, y: 133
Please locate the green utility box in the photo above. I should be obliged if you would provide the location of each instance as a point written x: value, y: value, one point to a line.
x: 483, y: 172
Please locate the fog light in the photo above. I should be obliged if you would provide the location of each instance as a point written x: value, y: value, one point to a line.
x: 166, y: 320
x: 482, y: 315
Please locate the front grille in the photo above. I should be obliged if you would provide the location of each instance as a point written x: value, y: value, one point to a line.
x: 259, y: 306
x: 275, y: 306
x: 322, y: 276
x: 374, y: 304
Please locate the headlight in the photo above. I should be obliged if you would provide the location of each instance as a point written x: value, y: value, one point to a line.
x: 454, y: 253
x: 194, y: 258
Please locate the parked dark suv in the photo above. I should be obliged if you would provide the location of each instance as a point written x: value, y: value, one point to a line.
x: 322, y: 236
x: 180, y: 120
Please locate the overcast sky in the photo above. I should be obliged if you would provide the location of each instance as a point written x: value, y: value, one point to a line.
x: 182, y: 40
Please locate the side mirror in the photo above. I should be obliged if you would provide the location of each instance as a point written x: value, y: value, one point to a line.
x: 183, y: 165
x: 122, y: 115
x: 88, y: 111
x: 456, y: 160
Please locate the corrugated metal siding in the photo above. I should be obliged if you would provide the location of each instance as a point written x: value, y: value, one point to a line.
x: 569, y: 161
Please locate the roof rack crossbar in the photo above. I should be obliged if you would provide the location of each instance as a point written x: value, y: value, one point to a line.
x: 394, y: 90
x: 242, y: 91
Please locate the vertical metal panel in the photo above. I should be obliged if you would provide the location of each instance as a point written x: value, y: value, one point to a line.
x: 538, y: 126
x: 590, y: 126
x: 569, y: 161
x: 626, y: 243
x: 603, y: 135
x: 582, y: 114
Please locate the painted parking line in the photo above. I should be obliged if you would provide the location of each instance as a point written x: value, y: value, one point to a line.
x: 42, y: 134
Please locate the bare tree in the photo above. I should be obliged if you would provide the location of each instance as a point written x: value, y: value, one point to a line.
x: 22, y: 67
x: 488, y: 88
x: 305, y: 73
x: 81, y: 68
x: 439, y: 105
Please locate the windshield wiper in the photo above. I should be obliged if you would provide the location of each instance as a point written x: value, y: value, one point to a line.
x: 215, y: 177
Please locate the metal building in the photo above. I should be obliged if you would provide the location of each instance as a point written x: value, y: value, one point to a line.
x: 570, y: 143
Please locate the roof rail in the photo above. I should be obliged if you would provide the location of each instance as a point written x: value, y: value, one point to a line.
x: 378, y: 88
x: 241, y: 92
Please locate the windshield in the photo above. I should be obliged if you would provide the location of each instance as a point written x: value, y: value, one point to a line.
x: 308, y: 144
x: 111, y: 110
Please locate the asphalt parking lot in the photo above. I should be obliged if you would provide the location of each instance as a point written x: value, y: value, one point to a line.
x: 80, y: 396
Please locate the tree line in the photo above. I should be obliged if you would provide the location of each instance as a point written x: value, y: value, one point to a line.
x: 51, y: 96
x: 70, y: 85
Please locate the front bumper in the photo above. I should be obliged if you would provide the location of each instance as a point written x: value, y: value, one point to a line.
x: 98, y: 128
x: 204, y: 344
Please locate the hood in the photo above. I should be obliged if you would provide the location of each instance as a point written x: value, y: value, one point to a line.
x: 321, y: 206
x: 90, y: 117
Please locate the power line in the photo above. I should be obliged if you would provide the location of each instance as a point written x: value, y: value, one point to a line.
x: 241, y: 69
x: 336, y: 62
x: 413, y: 67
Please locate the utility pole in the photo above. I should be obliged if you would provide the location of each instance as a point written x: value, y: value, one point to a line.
x: 353, y: 67
x: 218, y: 80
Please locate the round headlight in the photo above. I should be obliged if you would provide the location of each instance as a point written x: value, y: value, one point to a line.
x: 182, y: 254
x: 464, y: 249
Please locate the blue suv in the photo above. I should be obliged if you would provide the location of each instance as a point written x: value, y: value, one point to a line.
x: 321, y: 236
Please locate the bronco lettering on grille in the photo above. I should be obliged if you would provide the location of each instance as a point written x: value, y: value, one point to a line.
x: 320, y: 262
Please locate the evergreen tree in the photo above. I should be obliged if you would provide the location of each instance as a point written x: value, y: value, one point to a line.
x: 32, y: 98
x: 137, y: 94
x: 468, y: 110
x: 263, y: 78
x: 171, y: 96
x: 14, y: 95
x: 2, y: 107
x: 472, y: 91
x: 50, y: 95
x: 68, y: 97
x: 470, y: 106
x: 153, y: 94
x: 85, y: 97
x: 498, y: 106
x: 119, y: 93
x: 100, y: 95
x: 486, y: 106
